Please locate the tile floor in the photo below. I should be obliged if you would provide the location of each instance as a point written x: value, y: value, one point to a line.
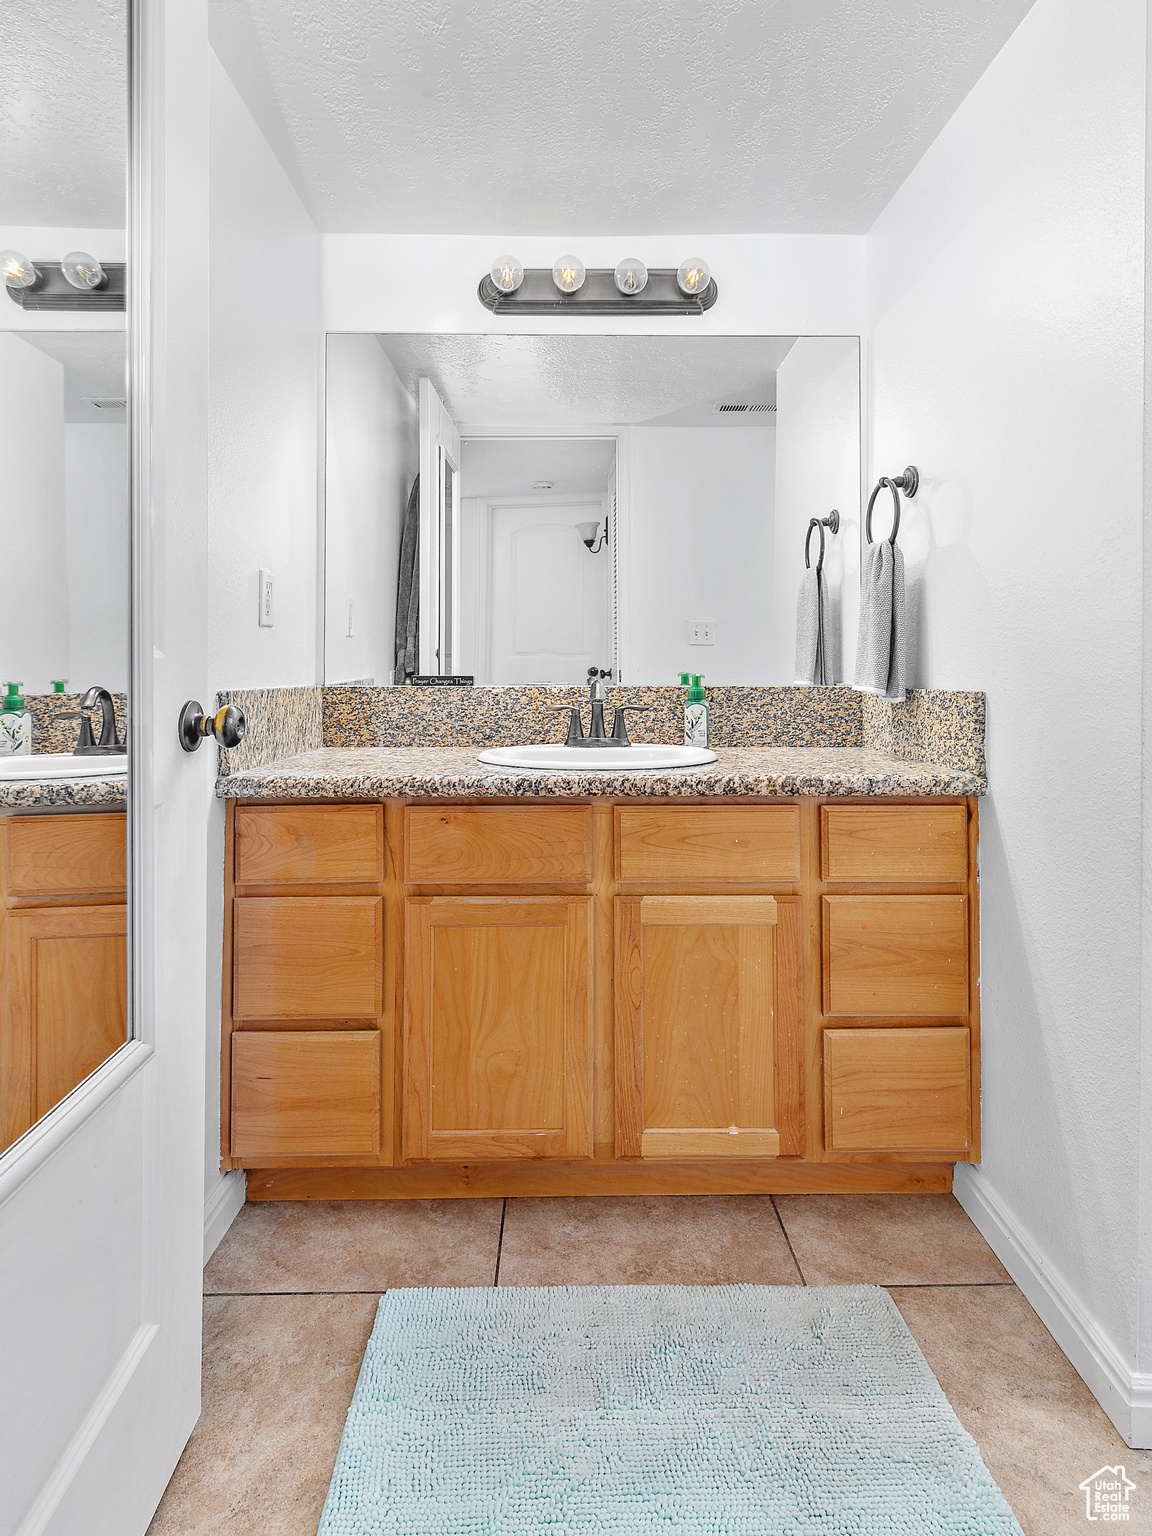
x: 290, y: 1294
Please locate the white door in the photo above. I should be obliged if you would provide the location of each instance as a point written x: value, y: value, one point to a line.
x: 439, y: 534
x: 549, y: 612
x: 101, y: 1203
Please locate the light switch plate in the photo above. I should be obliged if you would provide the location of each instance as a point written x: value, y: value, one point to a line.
x: 350, y: 631
x: 266, y: 600
x: 701, y: 631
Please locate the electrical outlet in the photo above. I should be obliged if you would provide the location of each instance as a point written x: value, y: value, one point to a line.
x: 266, y: 600
x: 701, y: 631
x: 350, y: 629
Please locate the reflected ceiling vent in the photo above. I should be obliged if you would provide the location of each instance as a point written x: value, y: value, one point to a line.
x: 107, y: 403
x: 739, y: 408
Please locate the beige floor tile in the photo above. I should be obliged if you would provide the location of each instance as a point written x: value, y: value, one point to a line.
x: 887, y: 1240
x: 356, y: 1245
x: 1038, y: 1427
x: 649, y: 1240
x: 278, y: 1377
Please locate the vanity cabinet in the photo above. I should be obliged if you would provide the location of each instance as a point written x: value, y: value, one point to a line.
x: 63, y: 956
x: 606, y: 996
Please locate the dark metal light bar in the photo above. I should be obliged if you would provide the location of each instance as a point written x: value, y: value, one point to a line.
x: 538, y: 295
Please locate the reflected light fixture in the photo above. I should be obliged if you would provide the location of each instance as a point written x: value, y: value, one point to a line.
x: 631, y: 275
x: 568, y: 273
x: 507, y: 274
x: 693, y: 276
x: 18, y: 270
x: 83, y: 271
x: 588, y: 532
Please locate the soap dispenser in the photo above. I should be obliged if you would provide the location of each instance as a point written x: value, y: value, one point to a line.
x: 15, y: 725
x: 695, y: 711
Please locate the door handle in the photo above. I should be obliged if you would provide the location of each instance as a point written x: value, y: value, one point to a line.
x: 227, y: 725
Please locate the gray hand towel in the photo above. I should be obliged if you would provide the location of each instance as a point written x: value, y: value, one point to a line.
x: 880, y: 649
x: 817, y: 633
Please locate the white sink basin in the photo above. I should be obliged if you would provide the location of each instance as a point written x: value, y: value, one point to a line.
x: 43, y: 767
x: 579, y: 759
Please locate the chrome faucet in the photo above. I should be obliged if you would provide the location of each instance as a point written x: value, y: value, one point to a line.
x: 109, y: 744
x: 597, y: 736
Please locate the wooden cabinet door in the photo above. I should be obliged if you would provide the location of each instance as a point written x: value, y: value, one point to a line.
x: 708, y: 1014
x: 66, y: 1005
x: 498, y: 1028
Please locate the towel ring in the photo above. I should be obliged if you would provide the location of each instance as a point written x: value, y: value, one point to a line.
x: 908, y: 483
x: 832, y: 521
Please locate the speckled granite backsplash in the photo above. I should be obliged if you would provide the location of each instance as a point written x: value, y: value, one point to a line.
x: 934, y: 725
x: 281, y: 723
x: 503, y: 717
x: 50, y: 734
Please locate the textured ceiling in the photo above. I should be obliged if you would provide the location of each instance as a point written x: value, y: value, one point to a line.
x: 63, y: 112
x: 560, y: 380
x: 508, y: 466
x: 731, y: 116
x: 95, y: 364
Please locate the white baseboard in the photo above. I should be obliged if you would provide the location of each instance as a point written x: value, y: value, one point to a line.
x: 1124, y: 1395
x: 222, y: 1207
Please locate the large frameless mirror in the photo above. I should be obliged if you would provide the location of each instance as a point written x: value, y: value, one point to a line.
x: 64, y: 546
x: 521, y: 509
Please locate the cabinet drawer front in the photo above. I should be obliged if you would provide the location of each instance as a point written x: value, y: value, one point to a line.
x: 897, y: 1090
x: 67, y: 856
x: 308, y: 957
x: 894, y: 842
x: 708, y: 845
x: 296, y: 1094
x: 897, y: 955
x: 482, y: 845
x: 310, y: 845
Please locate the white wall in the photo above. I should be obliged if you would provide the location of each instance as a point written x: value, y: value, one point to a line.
x: 817, y: 468
x: 1006, y: 301
x: 96, y: 501
x: 33, y: 536
x: 265, y: 365
x: 372, y: 451
x: 698, y: 544
x: 266, y: 350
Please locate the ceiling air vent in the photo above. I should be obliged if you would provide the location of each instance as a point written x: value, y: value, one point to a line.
x: 108, y: 404
x: 741, y: 407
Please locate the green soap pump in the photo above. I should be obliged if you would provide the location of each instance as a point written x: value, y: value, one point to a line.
x: 695, y: 711
x: 15, y: 725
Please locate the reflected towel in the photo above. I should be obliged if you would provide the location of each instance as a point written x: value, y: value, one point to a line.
x: 408, y: 591
x: 817, y: 633
x: 880, y: 658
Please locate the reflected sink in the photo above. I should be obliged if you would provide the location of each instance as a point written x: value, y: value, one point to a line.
x: 45, y: 767
x: 562, y: 759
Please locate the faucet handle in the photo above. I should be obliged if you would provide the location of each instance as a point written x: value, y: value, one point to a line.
x: 85, y: 741
x: 620, y: 725
x: 575, y: 727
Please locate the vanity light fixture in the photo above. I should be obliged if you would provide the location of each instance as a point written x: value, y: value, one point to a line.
x: 568, y: 287
x: 83, y: 271
x: 568, y: 273
x: 507, y: 274
x: 19, y: 272
x: 588, y: 533
x: 631, y: 275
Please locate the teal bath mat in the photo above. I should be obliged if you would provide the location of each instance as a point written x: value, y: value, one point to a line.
x: 662, y: 1410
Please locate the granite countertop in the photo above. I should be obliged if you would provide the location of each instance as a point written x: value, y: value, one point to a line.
x: 376, y: 773
x: 108, y: 793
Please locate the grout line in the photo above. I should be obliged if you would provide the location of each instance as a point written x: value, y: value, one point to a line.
x: 787, y: 1239
x: 500, y: 1241
x: 947, y: 1285
x: 212, y: 1295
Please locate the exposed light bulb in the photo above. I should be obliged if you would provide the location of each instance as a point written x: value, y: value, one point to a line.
x: 693, y: 276
x: 568, y: 273
x: 631, y: 275
x: 507, y: 274
x: 18, y: 270
x: 82, y: 271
